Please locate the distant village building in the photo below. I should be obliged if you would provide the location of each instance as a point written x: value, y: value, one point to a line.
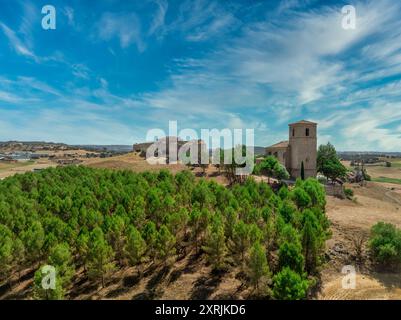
x: 169, y: 148
x: 300, y: 148
x: 66, y: 162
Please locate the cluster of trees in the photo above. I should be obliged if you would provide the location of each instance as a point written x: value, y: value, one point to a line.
x: 99, y: 220
x: 329, y: 164
x: 271, y: 167
x: 385, y: 245
x: 229, y: 161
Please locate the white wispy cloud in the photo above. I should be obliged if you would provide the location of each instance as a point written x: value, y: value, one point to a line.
x: 158, y: 21
x: 16, y: 43
x: 200, y: 20
x: 306, y: 63
x: 124, y: 26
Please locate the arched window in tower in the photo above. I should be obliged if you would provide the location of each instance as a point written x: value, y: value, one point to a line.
x: 307, y: 132
x: 293, y: 132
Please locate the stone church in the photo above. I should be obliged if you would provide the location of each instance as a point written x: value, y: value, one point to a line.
x: 300, y: 148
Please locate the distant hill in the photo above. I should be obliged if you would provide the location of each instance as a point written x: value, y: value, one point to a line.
x: 32, y: 146
x: 357, y: 155
x: 111, y: 148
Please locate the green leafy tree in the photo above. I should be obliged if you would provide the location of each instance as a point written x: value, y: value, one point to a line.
x: 255, y: 234
x: 100, y: 256
x: 283, y: 193
x: 385, y: 244
x: 165, y: 243
x: 334, y: 169
x: 18, y: 255
x: 257, y: 265
x: 6, y: 250
x: 61, y: 258
x: 325, y: 153
x: 301, y: 198
x: 328, y: 163
x: 82, y: 246
x: 177, y: 221
x: 115, y: 226
x: 266, y: 166
x: 287, y: 211
x: 312, y: 241
x: 135, y: 247
x: 43, y: 290
x: 289, y: 285
x: 290, y: 255
x: 215, y: 246
x: 270, y: 234
x: 198, y: 221
x: 231, y: 218
x: 280, y: 172
x: 316, y: 192
x: 241, y: 239
x: 149, y: 234
x: 34, y: 239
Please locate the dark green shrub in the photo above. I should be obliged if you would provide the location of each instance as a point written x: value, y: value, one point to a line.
x: 385, y: 244
x: 289, y: 285
x: 290, y: 255
x: 349, y: 193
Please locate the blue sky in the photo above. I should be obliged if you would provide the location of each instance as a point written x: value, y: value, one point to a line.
x: 114, y: 69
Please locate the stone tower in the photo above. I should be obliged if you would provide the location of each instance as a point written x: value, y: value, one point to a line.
x: 302, y: 148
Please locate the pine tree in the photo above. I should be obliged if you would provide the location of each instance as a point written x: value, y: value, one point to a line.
x: 312, y: 241
x: 135, y: 247
x: 149, y: 234
x: 241, y: 239
x: 231, y: 218
x: 290, y: 255
x: 61, y: 258
x: 289, y: 285
x: 215, y: 246
x: 198, y: 221
x: 257, y: 265
x: 34, y: 239
x: 43, y: 292
x: 18, y: 255
x: 83, y: 248
x: 6, y: 251
x: 302, y: 171
x: 115, y: 233
x: 100, y: 256
x: 165, y: 244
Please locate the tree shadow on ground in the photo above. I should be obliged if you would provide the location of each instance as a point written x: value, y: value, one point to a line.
x: 146, y: 295
x: 21, y: 294
x: 116, y: 292
x: 130, y: 281
x: 157, y: 278
x: 83, y: 286
x: 391, y: 280
x: 9, y: 285
x: 205, y: 286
